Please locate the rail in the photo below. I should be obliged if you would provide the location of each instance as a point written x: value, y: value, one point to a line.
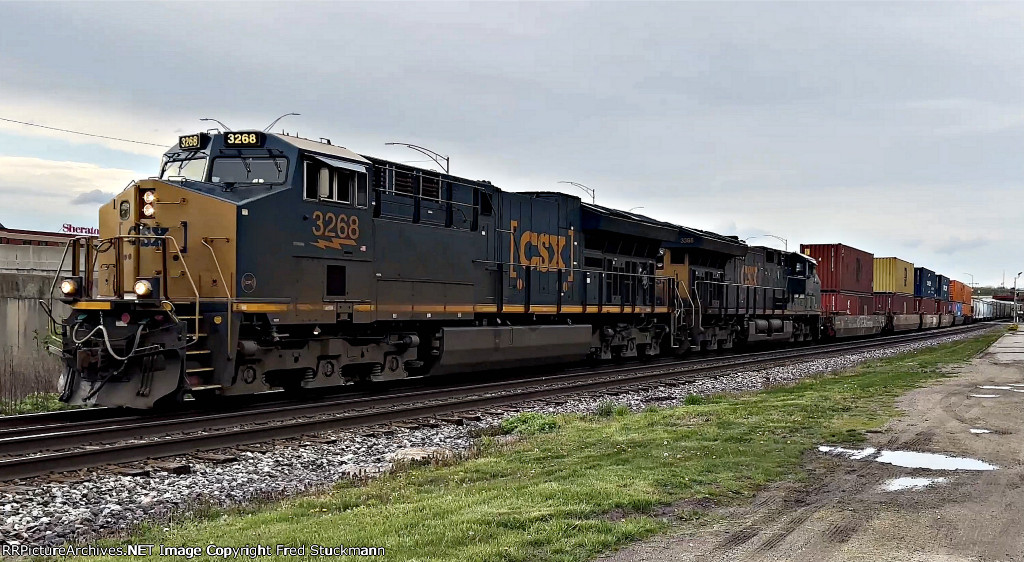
x: 31, y: 451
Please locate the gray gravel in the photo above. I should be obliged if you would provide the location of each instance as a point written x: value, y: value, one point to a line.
x: 49, y: 511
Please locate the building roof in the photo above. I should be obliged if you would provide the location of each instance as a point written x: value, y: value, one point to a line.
x: 34, y: 232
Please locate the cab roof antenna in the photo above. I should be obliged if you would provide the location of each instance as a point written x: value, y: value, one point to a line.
x: 226, y: 128
x: 267, y: 128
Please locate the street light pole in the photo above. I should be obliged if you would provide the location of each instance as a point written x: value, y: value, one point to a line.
x: 435, y: 156
x: 274, y: 122
x: 589, y: 191
x: 972, y: 279
x: 785, y: 242
x: 1015, y: 296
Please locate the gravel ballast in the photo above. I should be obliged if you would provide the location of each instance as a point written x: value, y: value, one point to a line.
x: 87, y: 505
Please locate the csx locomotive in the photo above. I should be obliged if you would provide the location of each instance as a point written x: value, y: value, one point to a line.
x: 258, y: 261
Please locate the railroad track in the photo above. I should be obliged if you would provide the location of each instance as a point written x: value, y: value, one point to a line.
x: 62, y: 443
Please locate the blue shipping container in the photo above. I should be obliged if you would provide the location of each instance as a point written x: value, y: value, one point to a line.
x: 942, y: 287
x: 924, y: 283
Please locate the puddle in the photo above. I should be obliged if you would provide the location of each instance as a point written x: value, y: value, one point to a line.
x: 983, y: 395
x: 852, y: 454
x: 910, y: 459
x: 993, y: 387
x: 932, y: 461
x: 973, y: 430
x: 909, y: 483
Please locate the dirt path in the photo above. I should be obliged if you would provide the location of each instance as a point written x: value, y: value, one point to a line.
x: 848, y: 516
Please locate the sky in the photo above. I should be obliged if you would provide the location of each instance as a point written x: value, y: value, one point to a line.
x: 895, y: 128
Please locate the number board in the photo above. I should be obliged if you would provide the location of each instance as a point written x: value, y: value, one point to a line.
x: 193, y: 142
x: 244, y: 140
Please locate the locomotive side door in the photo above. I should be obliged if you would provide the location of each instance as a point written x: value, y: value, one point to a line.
x: 516, y: 217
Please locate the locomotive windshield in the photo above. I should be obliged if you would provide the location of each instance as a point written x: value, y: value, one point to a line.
x: 191, y: 169
x: 260, y: 170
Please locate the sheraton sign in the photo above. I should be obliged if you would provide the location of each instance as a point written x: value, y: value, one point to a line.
x: 68, y: 228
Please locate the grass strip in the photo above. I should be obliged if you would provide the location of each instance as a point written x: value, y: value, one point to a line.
x: 573, y: 486
x: 33, y: 404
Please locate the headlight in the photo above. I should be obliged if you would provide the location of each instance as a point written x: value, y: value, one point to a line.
x: 69, y: 287
x: 149, y: 196
x: 143, y: 288
x: 149, y: 210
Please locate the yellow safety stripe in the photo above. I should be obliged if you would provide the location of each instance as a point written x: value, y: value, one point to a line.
x: 448, y: 308
x: 92, y: 305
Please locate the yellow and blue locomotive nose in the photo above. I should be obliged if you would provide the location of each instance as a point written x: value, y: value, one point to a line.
x: 185, y: 238
x: 165, y: 259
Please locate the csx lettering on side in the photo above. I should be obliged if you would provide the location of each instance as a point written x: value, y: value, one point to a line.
x: 547, y: 247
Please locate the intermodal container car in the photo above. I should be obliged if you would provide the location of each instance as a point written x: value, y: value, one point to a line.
x: 959, y: 292
x: 926, y: 306
x: 942, y: 287
x: 841, y: 268
x: 893, y: 275
x: 925, y: 283
x: 955, y: 291
x: 894, y: 303
x: 847, y: 303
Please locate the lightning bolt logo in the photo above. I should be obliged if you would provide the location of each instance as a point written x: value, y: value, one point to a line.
x: 335, y: 243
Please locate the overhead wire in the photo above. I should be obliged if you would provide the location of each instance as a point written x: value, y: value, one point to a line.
x: 81, y: 133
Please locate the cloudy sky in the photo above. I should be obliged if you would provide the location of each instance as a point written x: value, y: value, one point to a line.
x: 896, y: 128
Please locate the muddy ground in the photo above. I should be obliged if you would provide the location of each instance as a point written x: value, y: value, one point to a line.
x: 845, y: 514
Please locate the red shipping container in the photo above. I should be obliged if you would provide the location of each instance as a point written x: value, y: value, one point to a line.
x: 894, y: 303
x: 845, y: 303
x: 926, y: 306
x: 842, y: 268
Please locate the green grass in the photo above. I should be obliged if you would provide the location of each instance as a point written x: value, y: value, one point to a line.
x: 574, y: 486
x: 529, y: 423
x: 33, y: 403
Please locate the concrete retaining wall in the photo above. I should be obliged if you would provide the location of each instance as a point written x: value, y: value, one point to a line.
x: 31, y: 259
x: 25, y: 366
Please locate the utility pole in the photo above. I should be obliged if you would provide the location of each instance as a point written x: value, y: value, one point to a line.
x: 1015, y: 296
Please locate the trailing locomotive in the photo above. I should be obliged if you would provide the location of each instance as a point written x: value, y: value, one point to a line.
x: 258, y: 261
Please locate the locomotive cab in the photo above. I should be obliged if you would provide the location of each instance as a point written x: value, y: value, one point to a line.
x: 159, y: 301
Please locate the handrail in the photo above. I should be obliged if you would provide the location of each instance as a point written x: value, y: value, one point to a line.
x: 551, y: 269
x: 227, y: 291
x: 53, y: 287
x: 48, y: 305
x: 177, y: 250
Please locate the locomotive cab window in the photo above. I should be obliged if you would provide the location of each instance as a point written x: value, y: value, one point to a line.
x: 335, y: 181
x: 190, y: 169
x: 261, y: 170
